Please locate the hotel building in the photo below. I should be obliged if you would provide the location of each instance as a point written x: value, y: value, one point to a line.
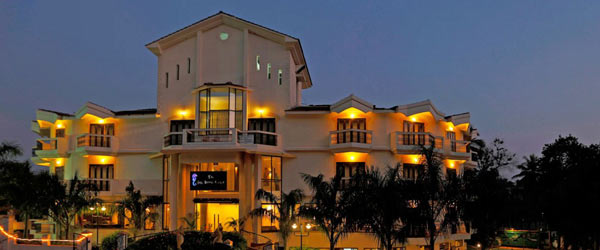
x: 230, y: 120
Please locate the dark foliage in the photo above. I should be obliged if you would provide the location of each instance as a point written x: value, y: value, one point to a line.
x: 193, y: 240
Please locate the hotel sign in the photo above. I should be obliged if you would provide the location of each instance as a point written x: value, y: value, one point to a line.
x: 208, y: 180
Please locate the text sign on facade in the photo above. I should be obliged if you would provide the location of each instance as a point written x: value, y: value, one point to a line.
x: 205, y: 180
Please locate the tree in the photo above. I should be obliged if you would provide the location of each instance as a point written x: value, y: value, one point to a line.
x: 139, y: 207
x: 329, y: 207
x: 283, y: 210
x: 436, y: 197
x: 379, y: 202
x: 68, y: 200
x: 9, y: 150
x: 486, y: 197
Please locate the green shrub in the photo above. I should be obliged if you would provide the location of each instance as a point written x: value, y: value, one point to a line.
x: 110, y: 242
x: 193, y: 240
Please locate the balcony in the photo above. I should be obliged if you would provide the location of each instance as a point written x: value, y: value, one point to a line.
x: 220, y: 138
x: 111, y: 187
x: 358, y: 140
x: 94, y: 143
x: 458, y: 149
x: 46, y: 148
x: 411, y: 142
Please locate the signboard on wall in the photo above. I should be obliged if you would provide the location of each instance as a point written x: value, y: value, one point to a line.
x: 208, y: 180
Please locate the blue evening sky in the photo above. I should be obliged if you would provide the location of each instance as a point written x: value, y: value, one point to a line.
x: 526, y: 70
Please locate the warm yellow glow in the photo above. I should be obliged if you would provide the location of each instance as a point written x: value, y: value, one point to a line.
x: 183, y: 113
x: 415, y: 159
x: 92, y: 208
x: 269, y: 207
x: 294, y: 226
x: 261, y: 111
x: 351, y: 157
x: 103, y: 160
x: 58, y: 162
x: 101, y: 121
x: 352, y: 113
x: 451, y: 128
x: 103, y: 208
x: 452, y: 164
x: 413, y: 119
x: 14, y: 237
x: 147, y: 210
x: 308, y: 226
x: 59, y: 125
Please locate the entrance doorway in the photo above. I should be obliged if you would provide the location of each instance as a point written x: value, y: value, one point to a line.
x: 210, y: 214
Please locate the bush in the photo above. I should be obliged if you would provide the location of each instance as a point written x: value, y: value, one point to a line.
x: 193, y: 240
x: 110, y: 242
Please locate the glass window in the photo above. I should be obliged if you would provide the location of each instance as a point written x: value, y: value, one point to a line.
x: 280, y: 76
x: 167, y: 80
x: 103, y: 216
x: 189, y: 65
x: 271, y: 174
x: 257, y: 63
x: 177, y: 72
x: 100, y: 175
x: 268, y: 71
x: 60, y: 133
x: 348, y: 169
x: 210, y: 215
x: 268, y: 223
x: 221, y: 108
x: 411, y: 171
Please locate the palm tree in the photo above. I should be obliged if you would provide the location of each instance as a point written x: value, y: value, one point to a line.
x: 436, y: 197
x: 380, y: 204
x: 139, y: 207
x: 329, y: 207
x: 283, y: 210
x: 9, y: 150
x: 68, y: 200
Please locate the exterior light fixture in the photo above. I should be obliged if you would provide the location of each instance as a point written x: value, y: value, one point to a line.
x: 352, y: 157
x: 92, y: 208
x: 103, y: 160
x: 183, y: 113
x: 294, y: 226
x: 451, y: 164
x: 261, y: 112
x: 308, y: 226
x: 415, y: 160
x: 58, y: 162
x: 59, y: 125
x: 451, y: 128
x: 103, y: 208
x: 413, y: 119
x: 352, y: 116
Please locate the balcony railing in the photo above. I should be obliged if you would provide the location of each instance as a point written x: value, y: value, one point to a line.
x: 216, y: 136
x: 418, y: 139
x: 46, y: 144
x: 94, y: 140
x: 117, y: 186
x: 350, y: 136
x: 459, y: 146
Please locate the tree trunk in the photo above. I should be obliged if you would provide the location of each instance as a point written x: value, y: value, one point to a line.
x: 26, y: 231
x: 331, y: 245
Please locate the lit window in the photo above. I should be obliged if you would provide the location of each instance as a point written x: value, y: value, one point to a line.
x: 167, y: 80
x: 257, y: 63
x: 177, y: 71
x: 189, y: 65
x: 268, y: 71
x: 279, y: 76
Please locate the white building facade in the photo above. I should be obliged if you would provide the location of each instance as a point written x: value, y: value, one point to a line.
x: 229, y: 121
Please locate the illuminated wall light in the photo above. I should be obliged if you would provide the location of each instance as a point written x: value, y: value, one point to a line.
x: 103, y: 160
x: 58, y: 162
x: 352, y: 116
x: 413, y: 119
x: 452, y: 164
x: 92, y: 208
x: 59, y: 125
x: 261, y: 111
x: 451, y: 128
x: 101, y: 121
x: 183, y: 113
x: 415, y: 159
x: 352, y: 157
x: 103, y: 208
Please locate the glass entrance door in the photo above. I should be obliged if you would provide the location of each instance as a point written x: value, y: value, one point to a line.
x: 210, y: 215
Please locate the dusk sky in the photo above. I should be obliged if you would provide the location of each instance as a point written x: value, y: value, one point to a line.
x: 527, y: 71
